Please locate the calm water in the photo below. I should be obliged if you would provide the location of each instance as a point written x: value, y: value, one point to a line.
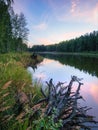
x: 61, y: 67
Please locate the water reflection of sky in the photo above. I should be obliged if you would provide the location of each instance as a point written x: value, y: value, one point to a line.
x: 59, y: 72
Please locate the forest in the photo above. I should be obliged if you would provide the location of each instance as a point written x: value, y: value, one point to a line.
x: 84, y: 43
x: 13, y: 29
x: 14, y: 35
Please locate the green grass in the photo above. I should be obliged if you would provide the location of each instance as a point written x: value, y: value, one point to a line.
x: 14, y: 80
x: 16, y: 114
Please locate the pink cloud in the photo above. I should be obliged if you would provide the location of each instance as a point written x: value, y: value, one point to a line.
x: 56, y: 38
x: 74, y: 4
x: 71, y: 35
x: 41, y: 26
x: 89, y: 15
x: 95, y: 13
x: 44, y: 41
x: 80, y: 13
x: 67, y: 36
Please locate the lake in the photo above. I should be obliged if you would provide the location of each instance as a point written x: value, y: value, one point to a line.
x: 62, y: 67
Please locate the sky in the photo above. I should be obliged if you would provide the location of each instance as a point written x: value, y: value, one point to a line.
x: 53, y: 21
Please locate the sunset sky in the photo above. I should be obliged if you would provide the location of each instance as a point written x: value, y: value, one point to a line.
x: 52, y: 21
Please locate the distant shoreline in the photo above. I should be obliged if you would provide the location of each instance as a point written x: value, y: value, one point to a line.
x: 87, y: 54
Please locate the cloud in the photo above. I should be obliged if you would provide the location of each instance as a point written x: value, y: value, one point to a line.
x: 95, y: 13
x: 44, y: 41
x: 71, y: 35
x: 80, y: 12
x: 41, y: 26
x: 67, y: 36
x: 58, y: 8
x: 56, y: 38
x: 87, y: 14
x: 74, y: 5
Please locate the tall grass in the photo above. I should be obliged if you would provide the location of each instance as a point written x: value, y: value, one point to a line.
x: 18, y: 95
x: 14, y: 81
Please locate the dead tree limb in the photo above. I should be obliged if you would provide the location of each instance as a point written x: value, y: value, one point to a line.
x: 63, y: 104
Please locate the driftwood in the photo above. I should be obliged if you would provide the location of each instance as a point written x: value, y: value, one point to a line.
x: 63, y: 104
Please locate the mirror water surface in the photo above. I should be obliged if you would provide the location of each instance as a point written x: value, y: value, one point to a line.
x: 61, y: 67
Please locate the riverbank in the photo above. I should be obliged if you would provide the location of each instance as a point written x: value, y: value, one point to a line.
x: 17, y: 93
x: 86, y: 54
x: 23, y: 104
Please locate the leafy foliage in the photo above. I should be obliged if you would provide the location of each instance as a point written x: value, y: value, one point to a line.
x: 13, y: 30
x: 47, y: 123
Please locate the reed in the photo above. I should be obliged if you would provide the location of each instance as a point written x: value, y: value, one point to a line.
x: 15, y: 90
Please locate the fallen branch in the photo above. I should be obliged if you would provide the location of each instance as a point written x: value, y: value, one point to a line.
x: 63, y: 104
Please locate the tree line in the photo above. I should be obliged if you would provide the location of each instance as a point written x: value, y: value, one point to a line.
x: 13, y: 29
x: 84, y: 43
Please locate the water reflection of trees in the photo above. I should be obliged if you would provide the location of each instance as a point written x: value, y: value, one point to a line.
x: 85, y: 64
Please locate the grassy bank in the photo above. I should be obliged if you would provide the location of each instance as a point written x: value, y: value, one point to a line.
x: 17, y: 93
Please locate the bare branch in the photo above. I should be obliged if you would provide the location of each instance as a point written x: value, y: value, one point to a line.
x: 65, y: 103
